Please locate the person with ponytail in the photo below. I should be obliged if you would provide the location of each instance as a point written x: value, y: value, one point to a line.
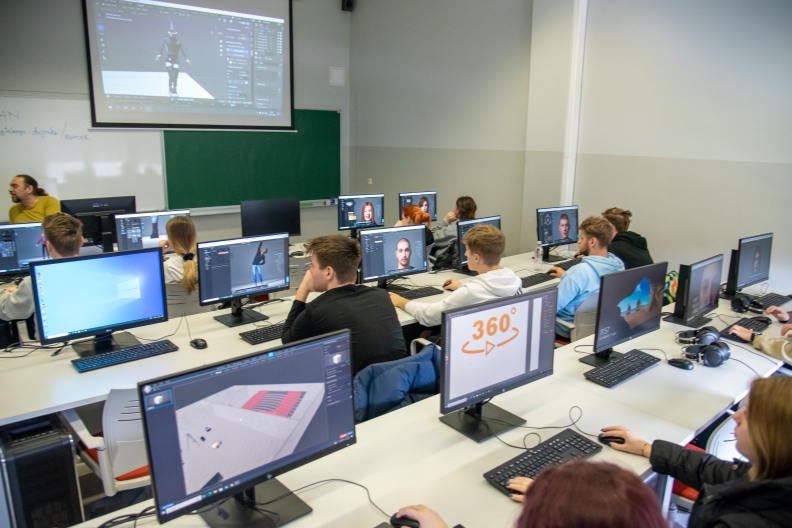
x: 415, y: 215
x: 181, y: 268
x: 31, y: 202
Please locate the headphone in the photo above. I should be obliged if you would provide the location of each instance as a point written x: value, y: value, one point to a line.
x: 741, y: 303
x: 706, y: 335
x: 713, y: 355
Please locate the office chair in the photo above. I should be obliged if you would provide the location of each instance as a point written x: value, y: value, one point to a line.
x: 585, y: 321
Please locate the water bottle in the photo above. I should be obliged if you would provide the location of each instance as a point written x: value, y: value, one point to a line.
x: 538, y: 256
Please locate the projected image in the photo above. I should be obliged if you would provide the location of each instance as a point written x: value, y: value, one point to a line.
x: 241, y: 428
x: 360, y: 211
x: 144, y: 231
x: 558, y: 226
x: 393, y: 252
x: 427, y: 201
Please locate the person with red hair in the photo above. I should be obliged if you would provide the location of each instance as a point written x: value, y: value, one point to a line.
x: 579, y: 494
x: 415, y: 215
x: 367, y: 214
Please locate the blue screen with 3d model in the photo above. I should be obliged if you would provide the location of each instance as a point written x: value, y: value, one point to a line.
x: 83, y: 295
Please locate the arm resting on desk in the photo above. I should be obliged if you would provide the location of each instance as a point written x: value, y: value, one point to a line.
x: 777, y: 347
x: 694, y: 468
x: 298, y: 323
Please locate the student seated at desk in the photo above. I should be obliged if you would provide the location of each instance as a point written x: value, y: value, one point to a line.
x: 575, y: 495
x: 376, y: 333
x: 415, y: 215
x: 445, y: 230
x: 484, y: 247
x: 734, y: 493
x: 777, y: 347
x: 181, y: 268
x: 584, y: 279
x: 64, y: 239
x: 630, y: 247
x: 32, y: 202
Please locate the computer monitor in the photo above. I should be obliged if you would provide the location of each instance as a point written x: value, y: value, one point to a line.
x: 360, y: 210
x: 217, y: 433
x: 426, y: 200
x: 629, y: 306
x: 391, y: 252
x: 262, y: 217
x: 229, y: 270
x: 697, y: 292
x: 750, y: 263
x: 491, y: 348
x: 144, y: 230
x: 98, y: 295
x: 556, y: 226
x: 463, y: 226
x: 97, y: 215
x: 21, y: 244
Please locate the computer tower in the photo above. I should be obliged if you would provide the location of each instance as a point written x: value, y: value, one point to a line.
x: 39, y: 479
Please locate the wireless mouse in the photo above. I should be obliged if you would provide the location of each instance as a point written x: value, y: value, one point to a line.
x: 198, y: 343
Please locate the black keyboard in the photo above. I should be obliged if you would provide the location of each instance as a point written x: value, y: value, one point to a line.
x: 125, y: 355
x: 563, y: 447
x: 262, y: 334
x: 416, y: 293
x: 620, y: 369
x: 568, y: 264
x: 745, y: 322
x: 772, y: 299
x: 536, y: 278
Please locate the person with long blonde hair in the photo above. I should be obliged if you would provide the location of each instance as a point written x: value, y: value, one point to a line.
x: 181, y: 268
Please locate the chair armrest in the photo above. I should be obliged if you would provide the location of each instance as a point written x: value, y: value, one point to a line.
x: 416, y: 342
x: 77, y: 426
x: 566, y: 324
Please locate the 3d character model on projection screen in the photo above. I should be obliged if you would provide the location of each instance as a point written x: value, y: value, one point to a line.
x: 171, y: 48
x: 258, y: 260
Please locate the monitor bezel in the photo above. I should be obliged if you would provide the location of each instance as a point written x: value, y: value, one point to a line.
x: 686, y: 275
x: 539, y: 227
x: 491, y: 392
x: 18, y: 270
x: 341, y: 197
x: 424, y: 193
x: 264, y: 200
x: 106, y: 330
x: 604, y: 278
x: 270, y: 474
x: 462, y: 259
x: 739, y: 260
x: 199, y: 258
x: 363, y: 232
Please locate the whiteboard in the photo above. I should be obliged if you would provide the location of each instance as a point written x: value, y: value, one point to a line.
x: 51, y: 140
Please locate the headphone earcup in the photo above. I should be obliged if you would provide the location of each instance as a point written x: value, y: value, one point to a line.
x: 740, y: 303
x: 687, y: 337
x: 756, y: 307
x: 707, y: 335
x: 715, y: 354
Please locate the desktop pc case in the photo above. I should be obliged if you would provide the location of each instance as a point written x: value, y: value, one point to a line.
x: 38, y: 478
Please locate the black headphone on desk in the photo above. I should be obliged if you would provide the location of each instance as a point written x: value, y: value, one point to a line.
x: 713, y: 355
x: 706, y: 335
x: 741, y: 303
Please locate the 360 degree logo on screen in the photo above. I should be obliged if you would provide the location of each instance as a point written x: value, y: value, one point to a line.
x: 495, y: 331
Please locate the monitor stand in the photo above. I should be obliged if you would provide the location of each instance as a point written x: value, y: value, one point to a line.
x: 695, y: 323
x: 238, y: 513
x: 547, y: 257
x: 107, y: 225
x: 238, y: 316
x: 598, y: 359
x: 353, y: 233
x: 482, y: 421
x: 105, y: 343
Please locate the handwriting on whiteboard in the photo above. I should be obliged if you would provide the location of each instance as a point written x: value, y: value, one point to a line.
x: 10, y: 127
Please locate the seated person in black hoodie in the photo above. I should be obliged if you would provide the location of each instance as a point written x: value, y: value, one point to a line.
x: 630, y: 247
x: 734, y: 493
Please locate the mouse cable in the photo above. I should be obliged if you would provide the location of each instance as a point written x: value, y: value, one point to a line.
x: 163, y: 337
x: 130, y: 517
x: 763, y: 356
x: 189, y: 334
x: 747, y: 365
x: 654, y: 350
x: 583, y: 352
x: 318, y: 482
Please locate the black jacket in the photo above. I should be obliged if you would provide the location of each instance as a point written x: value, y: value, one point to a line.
x: 631, y: 248
x: 727, y: 498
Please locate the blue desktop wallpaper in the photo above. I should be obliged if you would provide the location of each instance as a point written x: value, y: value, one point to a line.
x: 96, y: 293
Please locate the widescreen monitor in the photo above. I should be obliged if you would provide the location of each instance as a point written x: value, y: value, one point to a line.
x: 21, y: 244
x: 190, y: 63
x: 262, y: 217
x: 215, y: 432
x: 463, y: 226
x: 97, y: 216
x: 426, y: 200
x: 391, y: 252
x: 229, y: 270
x: 491, y: 348
x: 750, y: 263
x: 697, y: 292
x: 98, y: 295
x: 360, y: 211
x: 556, y: 226
x: 144, y: 230
x: 630, y: 303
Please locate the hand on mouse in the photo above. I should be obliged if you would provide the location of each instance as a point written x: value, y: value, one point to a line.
x: 632, y: 442
x: 398, y: 301
x: 426, y: 517
x: 451, y: 284
x: 556, y: 272
x: 743, y: 333
x: 520, y: 485
x: 778, y: 313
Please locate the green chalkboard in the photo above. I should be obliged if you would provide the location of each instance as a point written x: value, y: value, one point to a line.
x: 214, y: 168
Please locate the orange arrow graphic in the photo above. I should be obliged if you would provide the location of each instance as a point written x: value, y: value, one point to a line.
x: 489, y: 348
x: 466, y: 351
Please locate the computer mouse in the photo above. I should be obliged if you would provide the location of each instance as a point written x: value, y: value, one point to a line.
x: 446, y: 284
x: 404, y: 521
x: 681, y: 363
x: 198, y: 343
x: 296, y: 254
x: 762, y: 319
x: 608, y: 440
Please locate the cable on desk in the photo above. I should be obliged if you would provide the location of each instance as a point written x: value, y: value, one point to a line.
x: 763, y: 356
x: 131, y: 517
x: 747, y: 365
x: 181, y: 319
x: 290, y: 492
x: 654, y: 350
x: 18, y: 345
x: 587, y: 353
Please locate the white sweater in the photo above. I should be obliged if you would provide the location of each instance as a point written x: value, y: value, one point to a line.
x: 486, y: 287
x: 174, y: 269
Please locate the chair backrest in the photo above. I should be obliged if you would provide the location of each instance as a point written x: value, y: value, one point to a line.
x: 123, y: 431
x: 179, y: 303
x: 585, y: 318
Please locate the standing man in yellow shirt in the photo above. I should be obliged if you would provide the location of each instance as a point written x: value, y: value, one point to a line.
x: 32, y: 202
